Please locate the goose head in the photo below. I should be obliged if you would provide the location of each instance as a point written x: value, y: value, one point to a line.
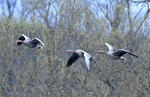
x: 20, y: 40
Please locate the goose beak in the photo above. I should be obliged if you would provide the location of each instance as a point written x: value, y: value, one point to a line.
x: 69, y: 51
x: 99, y: 52
x: 17, y: 41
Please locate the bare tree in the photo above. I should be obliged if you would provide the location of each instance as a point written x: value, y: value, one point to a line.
x: 11, y: 4
x: 113, y: 16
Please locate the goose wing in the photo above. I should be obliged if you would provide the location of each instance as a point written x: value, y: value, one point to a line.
x: 110, y: 47
x: 37, y: 41
x: 121, y: 52
x: 23, y: 37
x: 88, y: 60
x: 72, y: 59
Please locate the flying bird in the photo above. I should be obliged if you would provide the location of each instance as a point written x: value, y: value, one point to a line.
x: 31, y: 43
x: 116, y: 54
x: 76, y: 54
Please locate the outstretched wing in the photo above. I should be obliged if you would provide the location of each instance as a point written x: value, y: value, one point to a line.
x: 37, y: 41
x: 88, y: 60
x: 110, y: 47
x: 121, y: 52
x: 23, y: 37
x: 72, y: 59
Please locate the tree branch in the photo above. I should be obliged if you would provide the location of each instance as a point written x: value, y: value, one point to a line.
x: 138, y: 13
x: 106, y: 15
x: 129, y: 17
x: 145, y: 17
x: 144, y: 1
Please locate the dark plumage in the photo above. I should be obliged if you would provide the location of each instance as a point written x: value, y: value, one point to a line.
x: 22, y: 37
x: 76, y: 54
x: 72, y: 59
x: 116, y: 54
x: 122, y: 52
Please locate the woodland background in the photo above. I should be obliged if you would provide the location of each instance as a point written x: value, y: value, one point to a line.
x: 72, y: 24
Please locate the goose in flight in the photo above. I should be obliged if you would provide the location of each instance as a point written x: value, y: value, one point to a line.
x: 31, y: 43
x: 76, y: 54
x: 116, y: 54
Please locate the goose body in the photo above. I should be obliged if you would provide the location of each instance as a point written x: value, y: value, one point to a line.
x: 116, y: 54
x: 76, y: 54
x: 31, y: 43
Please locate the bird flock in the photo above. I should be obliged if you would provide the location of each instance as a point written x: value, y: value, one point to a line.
x: 113, y: 53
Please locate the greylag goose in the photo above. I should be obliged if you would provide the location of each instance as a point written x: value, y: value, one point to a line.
x: 79, y: 53
x: 31, y: 43
x: 116, y: 54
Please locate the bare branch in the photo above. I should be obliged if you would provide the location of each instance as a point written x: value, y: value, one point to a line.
x: 11, y: 6
x: 129, y: 17
x: 106, y: 14
x: 138, y: 13
x: 144, y: 1
x: 145, y: 17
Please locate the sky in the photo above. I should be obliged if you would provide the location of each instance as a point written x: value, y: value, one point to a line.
x: 16, y: 11
x: 135, y: 7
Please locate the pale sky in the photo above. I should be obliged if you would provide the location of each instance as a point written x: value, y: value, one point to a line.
x: 135, y: 8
